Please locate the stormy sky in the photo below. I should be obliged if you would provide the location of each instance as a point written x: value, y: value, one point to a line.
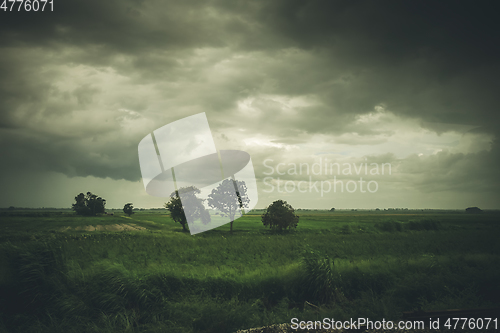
x: 413, y: 84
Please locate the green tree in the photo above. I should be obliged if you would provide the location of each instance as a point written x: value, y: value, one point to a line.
x: 176, y: 210
x: 194, y: 206
x: 229, y: 198
x: 280, y: 216
x: 128, y: 209
x: 89, y: 204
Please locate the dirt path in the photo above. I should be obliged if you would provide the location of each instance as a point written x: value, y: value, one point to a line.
x: 111, y: 227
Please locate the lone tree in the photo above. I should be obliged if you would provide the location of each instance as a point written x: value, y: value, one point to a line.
x: 194, y: 206
x: 89, y: 204
x: 280, y: 216
x: 128, y: 209
x: 228, y: 198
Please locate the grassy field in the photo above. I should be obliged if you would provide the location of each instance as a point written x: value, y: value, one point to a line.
x: 348, y: 264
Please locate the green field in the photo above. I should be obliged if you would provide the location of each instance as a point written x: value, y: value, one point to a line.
x: 347, y: 264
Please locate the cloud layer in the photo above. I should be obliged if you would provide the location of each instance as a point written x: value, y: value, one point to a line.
x: 407, y: 83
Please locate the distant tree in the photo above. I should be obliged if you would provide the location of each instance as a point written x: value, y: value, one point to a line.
x: 280, y: 216
x: 194, y: 206
x: 12, y: 207
x: 473, y: 210
x: 332, y: 210
x: 89, y: 204
x: 128, y: 209
x: 229, y: 198
x: 377, y: 209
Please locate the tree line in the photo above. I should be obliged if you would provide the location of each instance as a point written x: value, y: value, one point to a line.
x: 228, y: 199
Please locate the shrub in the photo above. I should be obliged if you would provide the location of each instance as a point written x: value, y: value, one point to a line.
x: 280, y: 216
x: 473, y: 210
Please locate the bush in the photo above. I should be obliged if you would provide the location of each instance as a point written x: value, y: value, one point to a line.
x: 473, y: 210
x: 280, y: 216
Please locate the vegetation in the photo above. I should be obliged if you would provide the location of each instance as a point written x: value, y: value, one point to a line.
x: 229, y: 198
x: 184, y: 206
x: 280, y: 216
x: 89, y: 204
x: 176, y: 210
x: 128, y: 209
x: 473, y: 210
x: 163, y: 280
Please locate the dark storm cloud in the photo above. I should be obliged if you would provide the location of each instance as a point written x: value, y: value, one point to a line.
x: 29, y: 152
x: 438, y: 61
x: 123, y: 26
x: 80, y: 86
x: 42, y: 132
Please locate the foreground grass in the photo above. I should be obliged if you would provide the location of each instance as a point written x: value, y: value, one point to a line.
x: 349, y: 265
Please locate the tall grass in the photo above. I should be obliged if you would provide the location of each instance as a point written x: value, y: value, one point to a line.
x: 321, y: 282
x: 162, y: 281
